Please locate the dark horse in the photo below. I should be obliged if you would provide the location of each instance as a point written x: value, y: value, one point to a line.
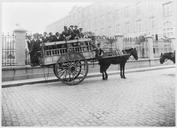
x: 122, y: 59
x: 167, y: 56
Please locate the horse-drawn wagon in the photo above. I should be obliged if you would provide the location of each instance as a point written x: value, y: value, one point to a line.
x: 70, y: 58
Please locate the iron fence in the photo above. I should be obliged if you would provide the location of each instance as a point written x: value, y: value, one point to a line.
x: 8, y: 50
x: 141, y: 46
x: 161, y: 46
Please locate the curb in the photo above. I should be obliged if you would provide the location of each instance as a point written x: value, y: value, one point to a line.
x: 54, y: 79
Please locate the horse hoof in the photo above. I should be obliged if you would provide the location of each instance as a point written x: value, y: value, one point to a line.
x: 124, y: 77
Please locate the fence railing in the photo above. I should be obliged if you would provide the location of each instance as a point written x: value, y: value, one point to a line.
x: 8, y: 50
x: 159, y: 46
x: 142, y: 47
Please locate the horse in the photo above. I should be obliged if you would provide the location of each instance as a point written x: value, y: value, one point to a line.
x: 167, y: 56
x: 106, y: 62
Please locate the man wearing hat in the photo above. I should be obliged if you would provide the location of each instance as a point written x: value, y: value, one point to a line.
x: 66, y: 34
x: 51, y: 37
x: 81, y: 35
x: 58, y: 36
x: 76, y: 32
x: 71, y: 31
x: 45, y: 37
x: 99, y: 51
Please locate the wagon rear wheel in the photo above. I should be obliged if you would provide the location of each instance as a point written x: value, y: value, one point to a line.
x: 71, y: 68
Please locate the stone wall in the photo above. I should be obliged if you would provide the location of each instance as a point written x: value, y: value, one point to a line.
x: 26, y: 72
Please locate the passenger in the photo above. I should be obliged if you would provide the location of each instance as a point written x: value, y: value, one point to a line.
x: 76, y: 32
x: 71, y: 31
x: 51, y: 37
x: 45, y: 37
x: 36, y: 50
x: 66, y: 34
x: 32, y: 52
x: 28, y: 40
x: 81, y: 35
x: 58, y: 36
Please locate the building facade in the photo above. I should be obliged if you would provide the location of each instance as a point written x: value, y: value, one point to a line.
x: 132, y: 20
x: 147, y: 17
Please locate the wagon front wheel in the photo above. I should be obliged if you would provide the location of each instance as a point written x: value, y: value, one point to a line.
x: 71, y: 68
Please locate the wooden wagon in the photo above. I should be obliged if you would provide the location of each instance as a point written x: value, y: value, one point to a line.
x: 70, y: 58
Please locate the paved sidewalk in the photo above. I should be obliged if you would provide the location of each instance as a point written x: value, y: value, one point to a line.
x: 54, y: 79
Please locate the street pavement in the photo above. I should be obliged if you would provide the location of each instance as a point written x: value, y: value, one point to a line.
x: 143, y: 99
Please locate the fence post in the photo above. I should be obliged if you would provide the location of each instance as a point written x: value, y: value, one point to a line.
x: 173, y: 44
x: 150, y: 47
x: 20, y: 46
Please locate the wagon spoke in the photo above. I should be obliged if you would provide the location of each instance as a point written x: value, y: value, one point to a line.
x: 62, y: 73
x: 70, y: 76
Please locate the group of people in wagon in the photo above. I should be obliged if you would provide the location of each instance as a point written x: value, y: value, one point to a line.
x: 69, y: 33
x: 34, y: 41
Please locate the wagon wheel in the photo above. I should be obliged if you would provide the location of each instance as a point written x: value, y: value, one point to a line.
x: 71, y: 68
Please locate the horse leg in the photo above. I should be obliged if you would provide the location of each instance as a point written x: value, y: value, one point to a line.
x: 106, y: 76
x: 101, y: 71
x: 103, y: 76
x: 106, y: 67
x: 123, y: 71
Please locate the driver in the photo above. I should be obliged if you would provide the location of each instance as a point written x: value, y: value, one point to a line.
x: 99, y: 52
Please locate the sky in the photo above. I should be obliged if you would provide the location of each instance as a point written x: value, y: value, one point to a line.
x: 34, y: 17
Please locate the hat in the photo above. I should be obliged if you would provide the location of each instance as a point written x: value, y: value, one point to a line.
x: 98, y: 44
x: 57, y: 33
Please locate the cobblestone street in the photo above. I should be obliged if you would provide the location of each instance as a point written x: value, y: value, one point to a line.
x: 143, y: 99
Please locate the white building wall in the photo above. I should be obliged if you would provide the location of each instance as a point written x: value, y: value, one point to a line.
x: 132, y: 19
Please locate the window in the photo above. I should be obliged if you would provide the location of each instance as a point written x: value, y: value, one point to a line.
x: 109, y: 30
x: 118, y: 13
x: 152, y: 23
x: 138, y: 9
x: 168, y: 29
x: 126, y: 12
x: 127, y: 27
x: 167, y: 9
x: 117, y: 28
x: 138, y: 26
